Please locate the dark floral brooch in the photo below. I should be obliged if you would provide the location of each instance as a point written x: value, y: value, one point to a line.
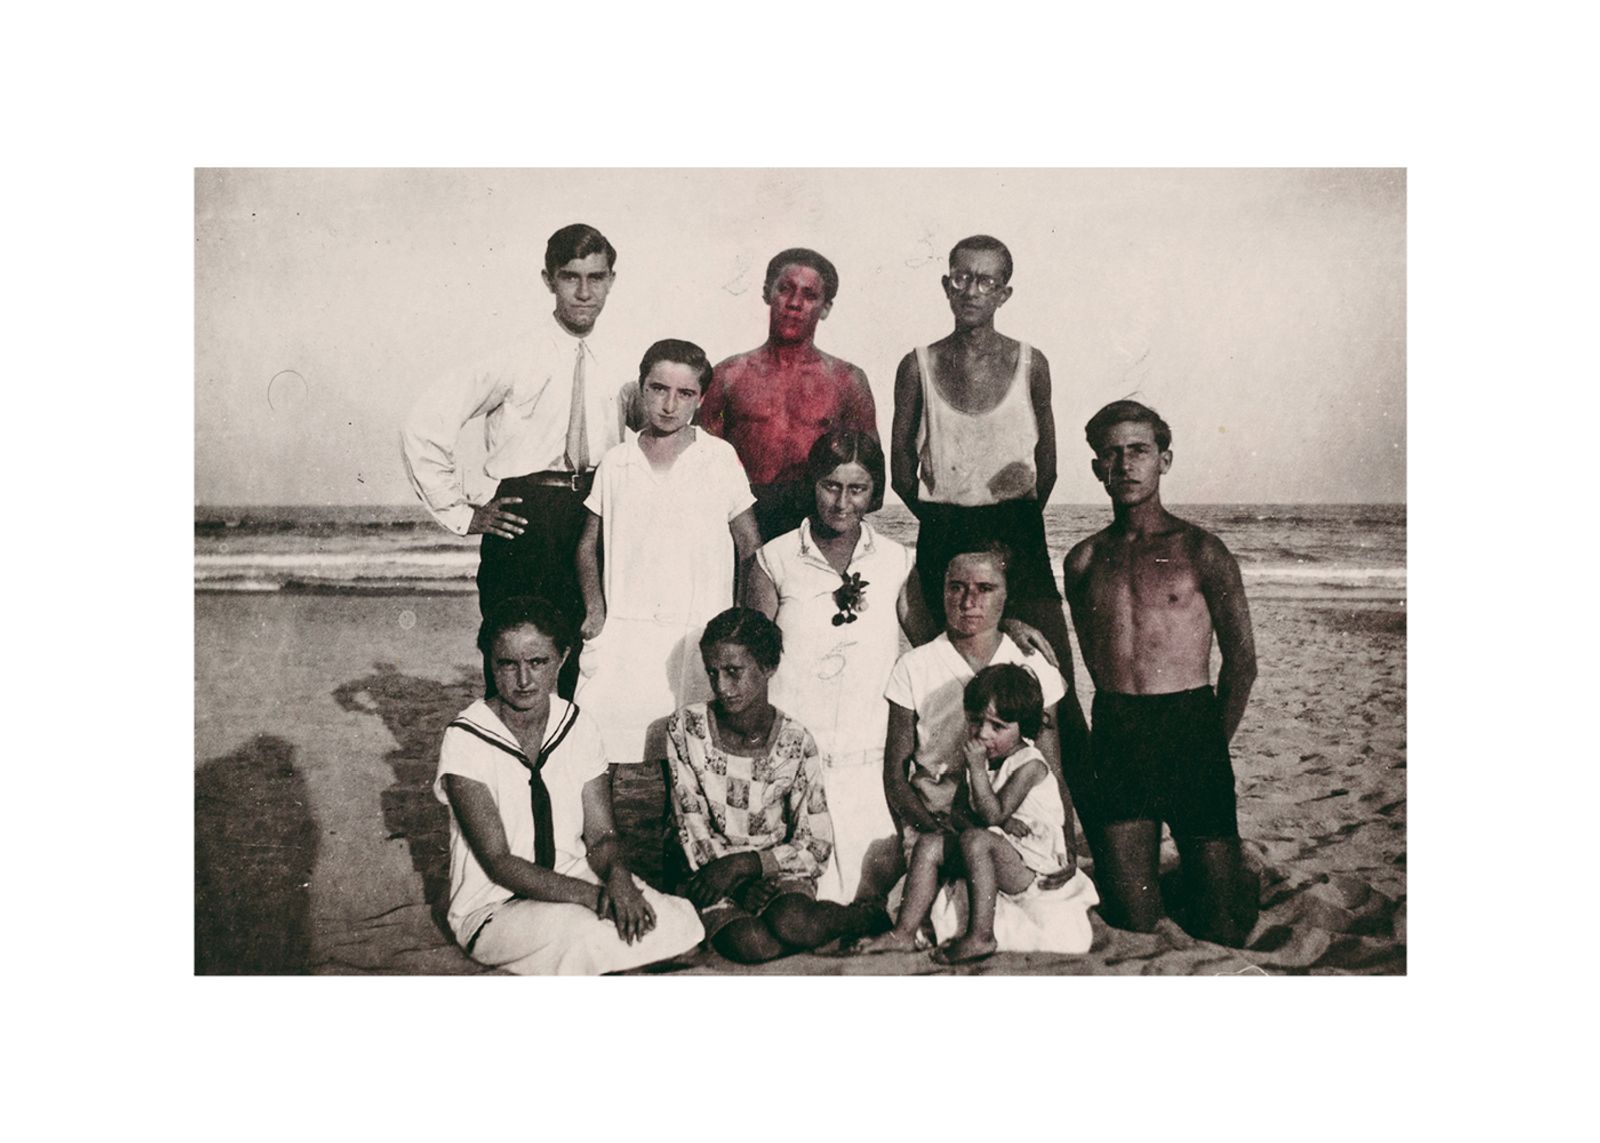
x: 849, y: 597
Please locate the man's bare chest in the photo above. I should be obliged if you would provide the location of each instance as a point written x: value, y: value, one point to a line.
x: 1150, y: 577
x: 812, y: 398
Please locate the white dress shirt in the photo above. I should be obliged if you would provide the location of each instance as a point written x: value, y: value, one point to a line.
x: 525, y: 397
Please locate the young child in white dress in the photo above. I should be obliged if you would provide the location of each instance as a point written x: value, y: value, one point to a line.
x: 1015, y: 819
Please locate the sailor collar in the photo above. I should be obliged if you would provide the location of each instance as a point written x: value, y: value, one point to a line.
x: 480, y: 720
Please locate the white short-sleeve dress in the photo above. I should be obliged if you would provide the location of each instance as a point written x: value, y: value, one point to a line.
x: 831, y: 680
x: 668, y: 569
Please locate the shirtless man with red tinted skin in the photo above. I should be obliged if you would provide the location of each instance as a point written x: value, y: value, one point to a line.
x: 773, y: 402
x: 1147, y: 595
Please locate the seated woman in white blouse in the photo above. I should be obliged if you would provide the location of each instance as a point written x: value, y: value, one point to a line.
x: 537, y: 883
x: 924, y: 770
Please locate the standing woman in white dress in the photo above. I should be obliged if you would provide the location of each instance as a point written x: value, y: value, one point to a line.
x: 842, y: 592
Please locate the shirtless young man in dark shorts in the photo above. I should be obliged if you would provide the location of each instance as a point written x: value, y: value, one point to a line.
x: 1146, y: 595
x: 773, y: 402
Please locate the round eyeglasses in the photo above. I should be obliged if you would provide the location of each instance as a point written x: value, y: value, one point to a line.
x: 960, y: 280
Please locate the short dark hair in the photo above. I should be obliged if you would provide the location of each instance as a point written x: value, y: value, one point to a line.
x: 997, y: 550
x: 679, y: 353
x: 1122, y: 413
x: 800, y: 256
x: 847, y: 446
x: 983, y: 242
x: 556, y: 624
x: 749, y: 629
x: 576, y: 241
x: 1015, y: 692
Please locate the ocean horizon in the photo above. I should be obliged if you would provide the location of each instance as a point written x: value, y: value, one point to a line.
x: 1311, y: 551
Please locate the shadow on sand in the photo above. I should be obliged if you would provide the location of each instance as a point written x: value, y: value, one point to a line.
x: 254, y: 846
x: 415, y: 711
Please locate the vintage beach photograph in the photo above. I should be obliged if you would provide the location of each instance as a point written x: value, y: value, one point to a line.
x: 800, y: 572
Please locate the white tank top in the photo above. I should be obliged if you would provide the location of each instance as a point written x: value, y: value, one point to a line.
x: 977, y: 458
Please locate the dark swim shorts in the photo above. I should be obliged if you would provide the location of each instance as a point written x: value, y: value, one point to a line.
x: 1164, y: 758
x: 945, y: 529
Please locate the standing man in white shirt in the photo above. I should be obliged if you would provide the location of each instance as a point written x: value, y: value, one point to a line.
x: 551, y: 406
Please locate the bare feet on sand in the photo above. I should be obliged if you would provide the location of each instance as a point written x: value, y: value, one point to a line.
x: 964, y: 950
x: 892, y: 941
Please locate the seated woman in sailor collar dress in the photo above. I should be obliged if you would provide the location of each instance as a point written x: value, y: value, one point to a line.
x: 537, y: 882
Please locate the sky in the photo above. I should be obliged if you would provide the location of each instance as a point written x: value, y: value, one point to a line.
x: 1262, y: 312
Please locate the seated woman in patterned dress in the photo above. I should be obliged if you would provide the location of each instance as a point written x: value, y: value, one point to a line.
x: 749, y: 802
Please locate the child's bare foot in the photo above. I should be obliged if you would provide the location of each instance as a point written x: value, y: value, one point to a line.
x: 892, y: 941
x: 964, y: 950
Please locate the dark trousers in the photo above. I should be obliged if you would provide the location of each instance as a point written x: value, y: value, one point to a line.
x: 779, y: 508
x: 944, y: 529
x: 541, y: 561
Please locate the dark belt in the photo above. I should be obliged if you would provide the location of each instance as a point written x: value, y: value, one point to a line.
x: 576, y: 481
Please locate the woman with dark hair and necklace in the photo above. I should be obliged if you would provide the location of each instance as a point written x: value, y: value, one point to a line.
x: 842, y: 592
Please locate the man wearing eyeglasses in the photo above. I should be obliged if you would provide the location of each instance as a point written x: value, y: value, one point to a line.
x: 973, y: 455
x: 773, y: 402
x: 552, y: 405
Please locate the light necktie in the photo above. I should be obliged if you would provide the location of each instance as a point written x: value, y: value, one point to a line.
x: 577, y: 422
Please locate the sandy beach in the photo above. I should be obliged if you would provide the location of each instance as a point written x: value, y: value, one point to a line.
x: 320, y: 849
